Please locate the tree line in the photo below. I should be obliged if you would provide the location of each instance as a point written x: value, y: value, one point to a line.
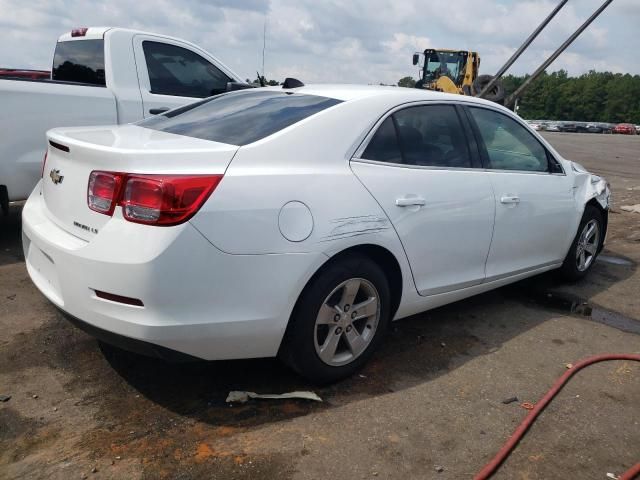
x: 591, y: 97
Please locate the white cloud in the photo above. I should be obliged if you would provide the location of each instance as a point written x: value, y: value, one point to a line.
x: 364, y: 41
x: 401, y: 43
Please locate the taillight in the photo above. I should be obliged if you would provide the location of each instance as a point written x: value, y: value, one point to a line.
x: 150, y: 199
x: 44, y: 162
x: 103, y: 191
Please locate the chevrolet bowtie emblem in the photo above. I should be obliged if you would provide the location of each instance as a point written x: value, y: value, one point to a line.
x: 55, y: 176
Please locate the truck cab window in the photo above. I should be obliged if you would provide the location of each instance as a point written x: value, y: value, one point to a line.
x: 180, y: 72
x: 80, y: 61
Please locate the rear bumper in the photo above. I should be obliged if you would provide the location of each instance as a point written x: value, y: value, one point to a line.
x: 197, y: 300
x: 130, y: 344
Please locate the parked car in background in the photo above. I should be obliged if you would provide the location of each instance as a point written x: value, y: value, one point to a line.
x: 637, y: 129
x: 593, y: 128
x: 209, y: 231
x: 581, y: 127
x: 538, y: 126
x: 100, y: 76
x: 554, y: 127
x: 569, y: 127
x: 625, y: 129
x: 606, y: 127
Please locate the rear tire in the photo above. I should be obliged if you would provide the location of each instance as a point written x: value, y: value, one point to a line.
x: 339, y: 320
x: 585, y: 247
x: 496, y: 94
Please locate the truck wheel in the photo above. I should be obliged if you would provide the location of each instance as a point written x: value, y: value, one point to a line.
x: 585, y: 247
x: 4, y: 200
x: 339, y: 320
x: 496, y: 94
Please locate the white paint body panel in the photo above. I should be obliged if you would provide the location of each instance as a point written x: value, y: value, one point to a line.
x: 30, y: 108
x: 447, y: 239
x: 534, y: 231
x: 224, y: 284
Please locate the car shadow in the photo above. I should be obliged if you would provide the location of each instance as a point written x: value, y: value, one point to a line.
x: 416, y: 350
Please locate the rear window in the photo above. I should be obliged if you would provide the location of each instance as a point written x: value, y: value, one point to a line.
x: 79, y: 61
x: 240, y: 118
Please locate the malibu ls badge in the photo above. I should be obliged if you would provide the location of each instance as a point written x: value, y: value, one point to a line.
x: 55, y: 176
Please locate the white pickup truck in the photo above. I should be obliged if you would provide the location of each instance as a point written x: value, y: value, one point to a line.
x: 100, y: 76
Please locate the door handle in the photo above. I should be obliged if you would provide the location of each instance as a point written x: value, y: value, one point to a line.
x: 157, y: 111
x: 410, y: 201
x: 510, y: 199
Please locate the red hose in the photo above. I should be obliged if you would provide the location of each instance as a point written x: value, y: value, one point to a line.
x: 490, y: 468
x: 630, y: 474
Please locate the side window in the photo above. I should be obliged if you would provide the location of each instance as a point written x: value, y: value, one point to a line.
x: 384, y: 146
x: 509, y: 145
x: 425, y: 135
x: 432, y: 135
x: 180, y: 72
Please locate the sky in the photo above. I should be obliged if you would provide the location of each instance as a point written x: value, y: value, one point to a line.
x: 357, y: 41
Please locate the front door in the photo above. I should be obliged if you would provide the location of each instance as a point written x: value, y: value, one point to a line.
x: 419, y: 167
x: 172, y: 75
x: 535, y: 211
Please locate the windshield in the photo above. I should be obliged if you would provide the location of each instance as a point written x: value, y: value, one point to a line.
x: 450, y: 64
x: 240, y: 118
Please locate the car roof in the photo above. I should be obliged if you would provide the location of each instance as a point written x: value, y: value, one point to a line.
x: 346, y: 92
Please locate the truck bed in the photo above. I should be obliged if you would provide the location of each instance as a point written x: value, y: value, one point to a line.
x: 30, y: 108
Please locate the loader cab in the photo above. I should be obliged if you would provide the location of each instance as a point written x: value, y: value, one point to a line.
x: 460, y: 66
x: 439, y: 63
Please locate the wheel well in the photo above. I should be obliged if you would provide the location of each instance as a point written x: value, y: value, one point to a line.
x: 605, y: 218
x: 385, y: 259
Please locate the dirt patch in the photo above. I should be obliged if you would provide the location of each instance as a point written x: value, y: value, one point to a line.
x: 431, y: 396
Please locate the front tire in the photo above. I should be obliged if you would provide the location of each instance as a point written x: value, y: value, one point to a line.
x: 585, y: 247
x: 339, y: 320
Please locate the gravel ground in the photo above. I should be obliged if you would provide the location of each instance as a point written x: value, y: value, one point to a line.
x: 430, y: 400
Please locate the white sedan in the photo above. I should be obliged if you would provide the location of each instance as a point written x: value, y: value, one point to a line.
x: 299, y: 222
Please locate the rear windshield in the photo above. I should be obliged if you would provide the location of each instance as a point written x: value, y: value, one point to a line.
x: 240, y: 118
x: 79, y: 61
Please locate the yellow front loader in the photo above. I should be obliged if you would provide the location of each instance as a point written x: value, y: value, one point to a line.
x: 456, y: 71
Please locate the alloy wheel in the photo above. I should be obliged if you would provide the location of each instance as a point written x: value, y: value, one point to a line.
x: 346, y: 322
x: 587, y: 247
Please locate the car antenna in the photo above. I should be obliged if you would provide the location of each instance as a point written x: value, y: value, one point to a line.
x: 292, y: 83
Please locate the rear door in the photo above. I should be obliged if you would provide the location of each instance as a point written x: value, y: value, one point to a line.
x: 535, y: 211
x: 172, y: 74
x: 420, y: 168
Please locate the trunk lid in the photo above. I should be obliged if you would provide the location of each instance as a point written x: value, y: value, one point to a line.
x: 129, y: 149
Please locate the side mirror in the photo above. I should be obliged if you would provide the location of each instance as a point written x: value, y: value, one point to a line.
x: 232, y: 86
x: 416, y: 58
